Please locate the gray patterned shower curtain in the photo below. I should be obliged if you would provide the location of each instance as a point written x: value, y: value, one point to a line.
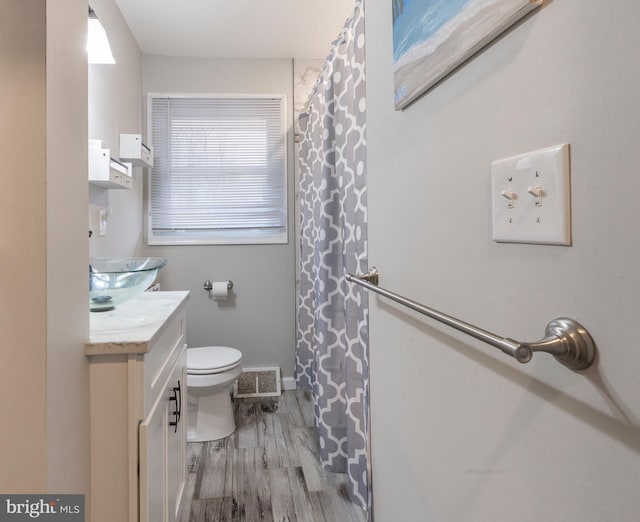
x: 332, y: 335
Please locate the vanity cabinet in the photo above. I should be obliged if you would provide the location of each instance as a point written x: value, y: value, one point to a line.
x: 138, y: 394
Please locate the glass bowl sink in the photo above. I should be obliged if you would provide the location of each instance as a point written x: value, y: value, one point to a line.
x: 114, y: 280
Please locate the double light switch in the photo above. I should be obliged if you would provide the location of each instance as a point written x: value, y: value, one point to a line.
x: 531, y: 197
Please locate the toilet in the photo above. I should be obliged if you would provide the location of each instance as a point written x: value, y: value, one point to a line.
x: 211, y: 370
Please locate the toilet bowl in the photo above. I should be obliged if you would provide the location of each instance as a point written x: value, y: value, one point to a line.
x: 211, y: 370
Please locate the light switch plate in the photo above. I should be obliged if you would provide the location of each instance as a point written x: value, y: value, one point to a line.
x: 103, y: 223
x: 531, y: 197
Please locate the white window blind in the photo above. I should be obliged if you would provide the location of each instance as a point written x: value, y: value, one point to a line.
x: 219, y: 173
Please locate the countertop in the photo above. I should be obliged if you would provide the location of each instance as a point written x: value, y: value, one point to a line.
x: 133, y: 326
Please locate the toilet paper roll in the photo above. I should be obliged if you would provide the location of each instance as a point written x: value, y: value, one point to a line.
x: 220, y: 290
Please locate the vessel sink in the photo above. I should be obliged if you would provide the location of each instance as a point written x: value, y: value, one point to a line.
x: 114, y: 280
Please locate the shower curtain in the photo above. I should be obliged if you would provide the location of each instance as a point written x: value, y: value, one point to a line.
x: 332, y: 332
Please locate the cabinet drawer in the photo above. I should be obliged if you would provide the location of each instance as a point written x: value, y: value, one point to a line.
x: 158, y: 363
x: 126, y: 181
x: 146, y: 156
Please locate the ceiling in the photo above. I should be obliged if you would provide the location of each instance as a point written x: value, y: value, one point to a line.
x: 236, y: 28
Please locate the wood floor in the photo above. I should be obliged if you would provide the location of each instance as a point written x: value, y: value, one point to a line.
x: 268, y: 470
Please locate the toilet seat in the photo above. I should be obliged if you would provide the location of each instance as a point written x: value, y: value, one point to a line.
x: 208, y: 360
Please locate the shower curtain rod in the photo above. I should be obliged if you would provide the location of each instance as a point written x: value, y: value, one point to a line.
x: 565, y: 339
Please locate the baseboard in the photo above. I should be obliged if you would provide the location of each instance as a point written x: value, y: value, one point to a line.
x: 288, y: 383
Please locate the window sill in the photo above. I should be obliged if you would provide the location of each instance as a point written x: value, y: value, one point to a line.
x: 280, y: 238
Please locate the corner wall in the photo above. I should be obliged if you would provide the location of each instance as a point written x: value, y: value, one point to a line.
x: 259, y: 318
x: 67, y: 249
x: 461, y: 432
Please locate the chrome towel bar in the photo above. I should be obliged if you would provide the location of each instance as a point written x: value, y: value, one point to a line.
x: 565, y: 339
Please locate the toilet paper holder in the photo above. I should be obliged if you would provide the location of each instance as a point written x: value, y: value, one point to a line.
x: 208, y: 285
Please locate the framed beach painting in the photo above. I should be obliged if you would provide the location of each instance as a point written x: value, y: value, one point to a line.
x: 433, y: 37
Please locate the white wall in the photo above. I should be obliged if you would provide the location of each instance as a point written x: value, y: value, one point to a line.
x: 115, y: 106
x: 461, y: 432
x: 67, y: 317
x: 259, y: 318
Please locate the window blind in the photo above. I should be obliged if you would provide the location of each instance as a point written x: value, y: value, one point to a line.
x: 219, y: 169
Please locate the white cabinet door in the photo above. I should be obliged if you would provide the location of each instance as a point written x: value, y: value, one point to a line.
x: 177, y: 440
x: 153, y: 463
x: 163, y: 448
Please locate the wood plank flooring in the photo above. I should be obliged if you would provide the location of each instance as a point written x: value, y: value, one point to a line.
x: 267, y: 470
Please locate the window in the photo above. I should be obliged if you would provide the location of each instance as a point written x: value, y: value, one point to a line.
x: 219, y: 170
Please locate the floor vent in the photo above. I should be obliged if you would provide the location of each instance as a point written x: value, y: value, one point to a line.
x: 258, y: 382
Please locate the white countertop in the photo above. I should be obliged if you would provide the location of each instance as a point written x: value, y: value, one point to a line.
x: 134, y: 325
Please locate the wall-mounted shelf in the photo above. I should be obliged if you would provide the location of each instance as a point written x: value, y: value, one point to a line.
x: 107, y: 172
x: 133, y: 150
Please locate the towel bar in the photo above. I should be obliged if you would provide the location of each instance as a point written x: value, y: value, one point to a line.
x: 565, y: 339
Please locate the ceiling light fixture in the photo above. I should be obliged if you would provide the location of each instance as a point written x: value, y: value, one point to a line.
x: 98, y: 48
